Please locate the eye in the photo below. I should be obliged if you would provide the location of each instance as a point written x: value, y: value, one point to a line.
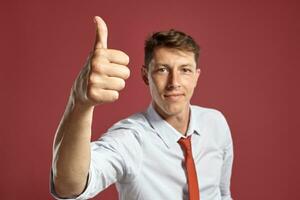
x: 162, y: 69
x: 186, y: 70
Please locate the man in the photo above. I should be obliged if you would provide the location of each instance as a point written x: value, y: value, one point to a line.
x: 171, y: 151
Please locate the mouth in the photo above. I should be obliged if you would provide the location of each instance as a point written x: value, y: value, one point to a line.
x: 173, y: 96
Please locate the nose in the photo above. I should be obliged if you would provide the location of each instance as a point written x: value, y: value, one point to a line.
x: 173, y: 80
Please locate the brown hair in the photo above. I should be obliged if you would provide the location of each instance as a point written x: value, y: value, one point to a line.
x: 170, y: 39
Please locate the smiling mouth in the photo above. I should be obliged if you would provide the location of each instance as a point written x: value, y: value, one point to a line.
x: 173, y: 97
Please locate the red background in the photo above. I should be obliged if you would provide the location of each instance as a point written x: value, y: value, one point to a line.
x: 250, y: 68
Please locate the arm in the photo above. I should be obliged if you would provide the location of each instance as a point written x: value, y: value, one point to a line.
x: 226, y: 173
x: 98, y: 82
x: 227, y: 164
x: 71, y: 150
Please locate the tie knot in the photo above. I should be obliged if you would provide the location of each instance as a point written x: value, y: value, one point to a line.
x: 185, y: 143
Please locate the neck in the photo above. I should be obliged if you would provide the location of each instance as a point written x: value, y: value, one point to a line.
x: 180, y: 121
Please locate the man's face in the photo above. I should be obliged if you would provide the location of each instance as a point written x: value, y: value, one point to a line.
x: 172, y: 76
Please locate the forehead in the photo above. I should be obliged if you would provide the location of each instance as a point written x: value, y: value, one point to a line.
x: 173, y: 57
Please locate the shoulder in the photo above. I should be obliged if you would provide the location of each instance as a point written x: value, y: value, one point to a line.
x: 202, y: 113
x: 212, y: 122
x: 128, y: 129
x: 135, y: 122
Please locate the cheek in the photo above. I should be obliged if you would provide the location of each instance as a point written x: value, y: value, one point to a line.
x: 154, y: 87
x: 187, y: 80
x: 190, y: 84
x: 193, y: 81
x: 158, y: 83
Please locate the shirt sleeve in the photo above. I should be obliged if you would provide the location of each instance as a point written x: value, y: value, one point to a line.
x: 227, y: 164
x: 115, y: 157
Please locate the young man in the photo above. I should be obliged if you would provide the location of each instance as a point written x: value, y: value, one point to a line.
x: 173, y: 150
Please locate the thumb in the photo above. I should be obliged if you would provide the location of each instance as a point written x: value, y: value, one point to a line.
x: 101, y: 33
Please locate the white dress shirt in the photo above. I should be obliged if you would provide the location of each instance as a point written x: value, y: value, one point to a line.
x: 141, y: 154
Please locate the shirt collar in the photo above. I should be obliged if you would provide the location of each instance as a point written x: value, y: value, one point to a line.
x: 165, y: 131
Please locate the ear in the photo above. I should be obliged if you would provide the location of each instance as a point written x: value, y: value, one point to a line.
x: 198, y: 72
x: 144, y: 74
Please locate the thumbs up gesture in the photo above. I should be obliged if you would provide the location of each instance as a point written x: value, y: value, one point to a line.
x: 104, y: 74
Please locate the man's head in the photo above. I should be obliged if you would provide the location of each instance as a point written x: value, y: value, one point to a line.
x: 170, y: 70
x: 170, y: 39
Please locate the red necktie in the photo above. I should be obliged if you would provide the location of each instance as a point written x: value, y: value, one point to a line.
x: 190, y: 168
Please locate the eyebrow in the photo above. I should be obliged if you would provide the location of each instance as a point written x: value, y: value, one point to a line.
x: 166, y: 65
x: 186, y: 65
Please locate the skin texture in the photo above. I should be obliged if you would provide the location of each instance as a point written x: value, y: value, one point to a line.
x: 172, y: 76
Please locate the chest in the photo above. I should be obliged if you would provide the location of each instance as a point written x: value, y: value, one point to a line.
x: 164, y: 165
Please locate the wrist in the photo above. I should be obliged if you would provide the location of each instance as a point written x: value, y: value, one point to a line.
x: 77, y: 106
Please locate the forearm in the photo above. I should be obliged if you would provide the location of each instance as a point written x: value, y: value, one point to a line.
x: 71, y: 150
x: 98, y: 82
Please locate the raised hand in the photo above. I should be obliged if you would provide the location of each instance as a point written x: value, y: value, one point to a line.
x: 104, y: 74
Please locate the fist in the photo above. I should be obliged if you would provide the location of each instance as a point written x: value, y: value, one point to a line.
x: 104, y: 75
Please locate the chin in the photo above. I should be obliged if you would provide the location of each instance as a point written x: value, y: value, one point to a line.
x: 170, y: 108
x: 173, y: 109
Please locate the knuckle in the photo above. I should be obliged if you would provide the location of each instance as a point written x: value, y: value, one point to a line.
x: 91, y: 93
x: 100, y: 52
x: 94, y: 63
x: 92, y: 78
x: 98, y: 67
